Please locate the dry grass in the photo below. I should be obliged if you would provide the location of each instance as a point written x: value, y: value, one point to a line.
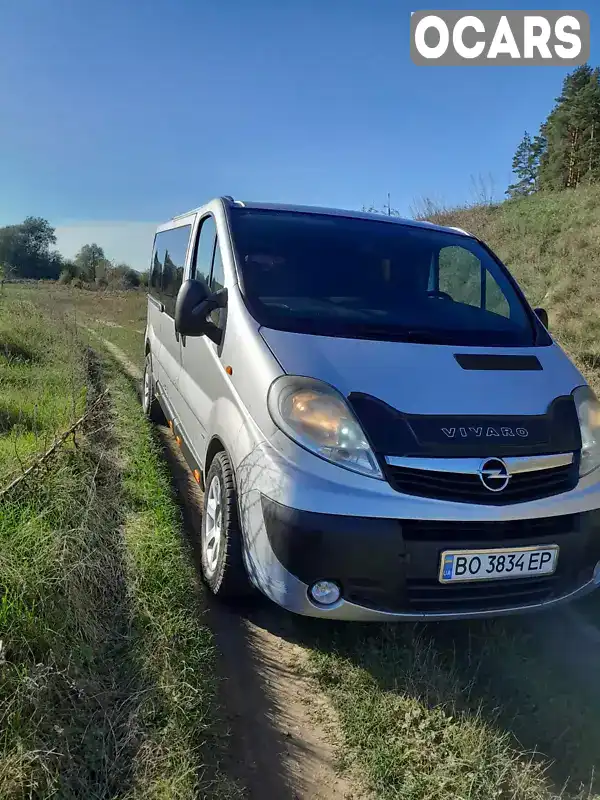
x: 119, y: 316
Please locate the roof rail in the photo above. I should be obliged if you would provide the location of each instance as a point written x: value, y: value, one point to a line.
x: 184, y: 214
x: 229, y: 198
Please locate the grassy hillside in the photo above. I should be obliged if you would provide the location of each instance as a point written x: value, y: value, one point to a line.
x: 551, y: 243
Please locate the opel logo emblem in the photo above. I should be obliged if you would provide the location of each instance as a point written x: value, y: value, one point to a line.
x: 494, y: 474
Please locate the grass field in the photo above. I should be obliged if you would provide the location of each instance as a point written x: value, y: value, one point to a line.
x: 42, y: 381
x: 107, y: 682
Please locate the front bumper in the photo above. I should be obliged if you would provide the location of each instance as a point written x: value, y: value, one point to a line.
x: 388, y: 568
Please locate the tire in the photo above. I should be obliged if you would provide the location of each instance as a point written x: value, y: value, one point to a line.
x: 223, y: 568
x: 150, y: 402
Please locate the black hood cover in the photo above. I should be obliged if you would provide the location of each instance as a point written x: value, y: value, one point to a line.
x: 393, y: 433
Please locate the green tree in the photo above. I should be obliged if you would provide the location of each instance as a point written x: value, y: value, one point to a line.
x: 38, y: 235
x: 91, y: 262
x: 68, y: 272
x: 572, y: 132
x: 125, y: 277
x: 526, y: 165
x: 26, y: 248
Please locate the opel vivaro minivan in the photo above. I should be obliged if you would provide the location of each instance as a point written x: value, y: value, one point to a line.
x: 384, y: 429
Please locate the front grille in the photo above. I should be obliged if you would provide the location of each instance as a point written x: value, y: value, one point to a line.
x: 417, y: 530
x: 468, y: 488
x: 432, y: 596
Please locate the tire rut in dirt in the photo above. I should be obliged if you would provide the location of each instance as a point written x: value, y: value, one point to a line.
x: 276, y: 748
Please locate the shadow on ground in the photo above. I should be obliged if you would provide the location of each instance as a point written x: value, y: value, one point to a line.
x: 535, y: 677
x: 255, y: 744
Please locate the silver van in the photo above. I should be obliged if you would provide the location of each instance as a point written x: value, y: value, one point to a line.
x: 384, y: 429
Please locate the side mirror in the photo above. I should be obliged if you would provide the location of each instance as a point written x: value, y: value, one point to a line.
x: 542, y: 315
x: 193, y: 305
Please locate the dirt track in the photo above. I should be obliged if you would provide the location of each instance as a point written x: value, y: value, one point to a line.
x: 279, y: 747
x: 281, y: 743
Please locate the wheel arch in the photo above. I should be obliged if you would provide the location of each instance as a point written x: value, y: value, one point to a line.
x: 216, y: 446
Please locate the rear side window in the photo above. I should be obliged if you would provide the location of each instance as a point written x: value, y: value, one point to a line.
x: 460, y: 275
x: 464, y: 278
x: 155, y: 272
x: 168, y: 261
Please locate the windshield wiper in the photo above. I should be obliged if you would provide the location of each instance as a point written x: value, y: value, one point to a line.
x: 398, y: 334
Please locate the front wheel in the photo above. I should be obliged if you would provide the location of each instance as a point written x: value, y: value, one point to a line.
x: 223, y: 567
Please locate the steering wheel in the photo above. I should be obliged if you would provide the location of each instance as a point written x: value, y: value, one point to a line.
x: 439, y: 295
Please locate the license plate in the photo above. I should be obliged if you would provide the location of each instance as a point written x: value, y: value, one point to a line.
x: 496, y: 564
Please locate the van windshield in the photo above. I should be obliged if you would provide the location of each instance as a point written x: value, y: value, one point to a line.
x: 365, y: 278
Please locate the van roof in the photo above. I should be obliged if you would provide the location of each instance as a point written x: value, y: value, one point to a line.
x: 336, y: 212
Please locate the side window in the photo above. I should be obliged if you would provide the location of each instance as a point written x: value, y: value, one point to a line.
x: 217, y: 282
x: 208, y: 264
x: 461, y: 277
x: 495, y: 301
x: 155, y: 273
x: 204, y: 249
x: 169, y: 250
x: 217, y: 278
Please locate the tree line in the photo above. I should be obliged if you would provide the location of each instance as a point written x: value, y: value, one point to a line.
x: 27, y: 252
x: 566, y: 151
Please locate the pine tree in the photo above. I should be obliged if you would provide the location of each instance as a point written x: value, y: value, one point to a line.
x: 526, y: 164
x: 572, y: 131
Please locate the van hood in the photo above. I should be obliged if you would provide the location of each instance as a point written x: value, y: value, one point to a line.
x: 427, y: 379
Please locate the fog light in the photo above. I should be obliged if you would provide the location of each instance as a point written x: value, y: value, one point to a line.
x: 325, y: 593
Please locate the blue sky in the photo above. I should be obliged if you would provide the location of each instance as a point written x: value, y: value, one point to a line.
x: 117, y: 112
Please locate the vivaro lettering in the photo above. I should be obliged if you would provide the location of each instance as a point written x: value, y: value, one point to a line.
x: 478, y: 432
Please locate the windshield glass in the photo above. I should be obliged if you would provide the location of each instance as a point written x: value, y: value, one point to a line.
x: 364, y: 278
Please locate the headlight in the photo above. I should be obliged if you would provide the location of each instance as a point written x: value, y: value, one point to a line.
x: 317, y: 417
x: 588, y: 411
